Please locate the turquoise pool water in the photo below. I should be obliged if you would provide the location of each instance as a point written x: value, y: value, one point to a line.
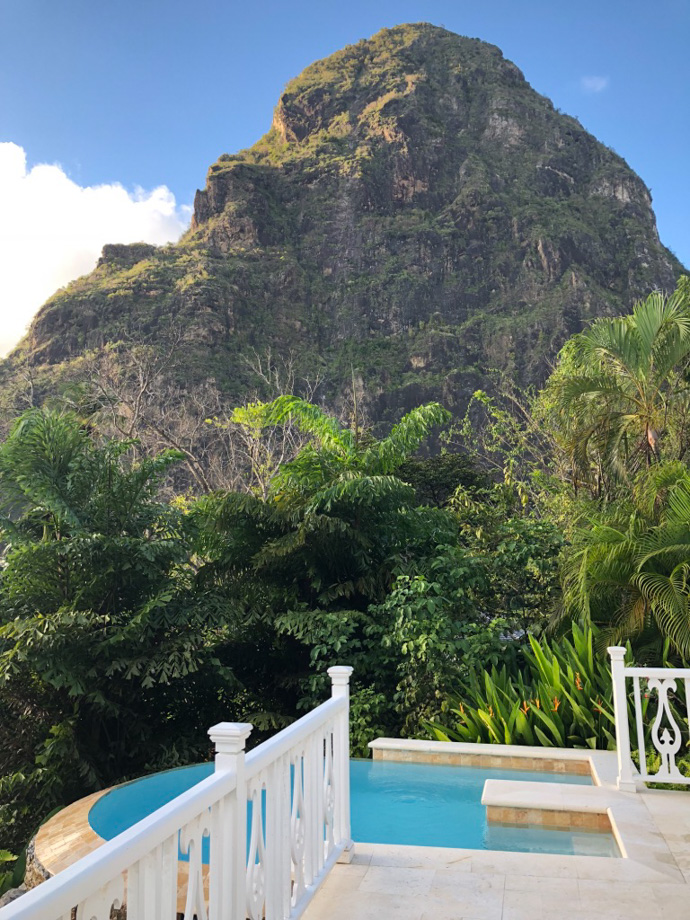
x: 415, y: 804
x: 425, y: 805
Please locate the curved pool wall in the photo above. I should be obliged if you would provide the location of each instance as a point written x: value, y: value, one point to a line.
x: 392, y: 803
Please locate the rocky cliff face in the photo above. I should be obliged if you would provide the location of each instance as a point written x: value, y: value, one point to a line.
x: 417, y: 213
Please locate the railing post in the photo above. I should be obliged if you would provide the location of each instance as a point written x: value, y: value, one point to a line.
x: 340, y: 687
x: 626, y: 781
x: 228, y: 865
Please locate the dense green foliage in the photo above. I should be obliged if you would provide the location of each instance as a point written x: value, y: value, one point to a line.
x: 602, y: 452
x: 628, y: 569
x: 103, y: 642
x: 129, y: 624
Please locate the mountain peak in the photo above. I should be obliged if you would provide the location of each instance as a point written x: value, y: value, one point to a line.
x: 417, y: 213
x: 358, y: 87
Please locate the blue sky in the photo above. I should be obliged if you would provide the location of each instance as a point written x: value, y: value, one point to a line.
x: 149, y: 93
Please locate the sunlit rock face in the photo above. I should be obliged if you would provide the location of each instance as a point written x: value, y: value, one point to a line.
x: 416, y: 213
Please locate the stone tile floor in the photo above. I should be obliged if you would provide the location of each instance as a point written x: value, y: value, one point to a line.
x: 424, y: 883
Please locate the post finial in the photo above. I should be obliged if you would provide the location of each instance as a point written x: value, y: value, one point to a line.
x: 229, y: 737
x: 340, y: 680
x: 340, y: 674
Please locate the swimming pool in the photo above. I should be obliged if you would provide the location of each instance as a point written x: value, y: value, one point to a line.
x: 433, y: 805
x: 391, y: 802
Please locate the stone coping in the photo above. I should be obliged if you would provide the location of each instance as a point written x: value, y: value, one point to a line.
x: 632, y: 824
x: 68, y: 837
x: 508, y: 793
x: 557, y: 820
x: 601, y: 765
x: 471, y: 747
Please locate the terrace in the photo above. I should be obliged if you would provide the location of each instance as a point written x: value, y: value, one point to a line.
x: 268, y: 835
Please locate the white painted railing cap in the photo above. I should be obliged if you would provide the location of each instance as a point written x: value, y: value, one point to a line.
x: 340, y: 673
x: 617, y: 652
x: 230, y: 737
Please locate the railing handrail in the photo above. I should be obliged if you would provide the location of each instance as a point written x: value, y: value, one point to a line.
x: 60, y: 893
x: 281, y: 743
x: 658, y: 673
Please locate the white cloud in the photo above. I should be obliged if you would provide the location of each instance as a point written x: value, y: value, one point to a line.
x: 52, y: 231
x: 594, y: 84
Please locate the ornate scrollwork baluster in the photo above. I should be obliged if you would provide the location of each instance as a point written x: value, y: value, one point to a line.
x: 667, y: 742
x: 191, y: 844
x: 100, y: 904
x: 297, y: 827
x: 329, y: 793
x: 256, y: 865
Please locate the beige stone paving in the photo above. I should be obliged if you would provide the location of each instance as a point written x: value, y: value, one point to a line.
x: 68, y: 836
x: 426, y: 883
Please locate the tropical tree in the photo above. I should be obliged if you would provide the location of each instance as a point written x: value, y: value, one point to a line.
x: 629, y: 570
x: 334, y: 517
x: 309, y: 561
x: 620, y: 396
x: 105, y: 644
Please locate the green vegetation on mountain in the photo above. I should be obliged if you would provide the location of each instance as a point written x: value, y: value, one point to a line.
x: 416, y: 213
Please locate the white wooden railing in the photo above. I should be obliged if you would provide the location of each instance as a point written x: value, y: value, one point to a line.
x: 666, y: 734
x: 298, y: 784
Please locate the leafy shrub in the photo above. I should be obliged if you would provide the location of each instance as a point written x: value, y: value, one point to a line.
x: 562, y: 698
x: 8, y: 875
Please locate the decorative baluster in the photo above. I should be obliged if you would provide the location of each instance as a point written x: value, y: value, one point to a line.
x: 297, y: 829
x: 278, y: 840
x: 168, y: 879
x: 686, y: 682
x: 141, y: 888
x: 311, y: 812
x: 220, y: 846
x: 191, y: 844
x: 152, y: 884
x: 286, y: 866
x: 329, y: 792
x: 256, y: 863
x: 319, y: 804
x: 640, y: 727
x: 273, y: 842
x: 101, y: 903
x: 666, y: 742
x: 135, y: 884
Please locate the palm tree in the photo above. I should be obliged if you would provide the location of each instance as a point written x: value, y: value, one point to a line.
x: 620, y: 394
x: 629, y: 572
x: 334, y: 517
